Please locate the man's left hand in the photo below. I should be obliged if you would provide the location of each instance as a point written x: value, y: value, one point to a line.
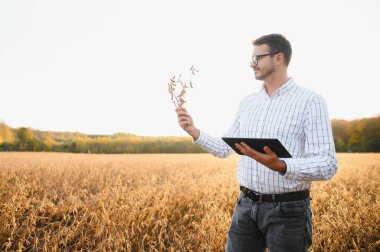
x: 269, y: 159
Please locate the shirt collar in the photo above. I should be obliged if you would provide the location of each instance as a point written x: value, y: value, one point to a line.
x: 281, y: 90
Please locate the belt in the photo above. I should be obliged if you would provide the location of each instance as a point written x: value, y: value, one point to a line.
x: 283, y: 197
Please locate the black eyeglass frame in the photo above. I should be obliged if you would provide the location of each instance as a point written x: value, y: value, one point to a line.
x: 255, y: 58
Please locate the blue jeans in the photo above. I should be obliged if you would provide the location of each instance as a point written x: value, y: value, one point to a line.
x: 278, y: 226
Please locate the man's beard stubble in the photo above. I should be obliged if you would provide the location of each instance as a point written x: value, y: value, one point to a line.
x: 264, y: 74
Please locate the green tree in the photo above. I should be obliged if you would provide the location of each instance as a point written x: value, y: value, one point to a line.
x: 25, y: 140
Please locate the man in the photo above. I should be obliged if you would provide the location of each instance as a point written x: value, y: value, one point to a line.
x: 273, y: 209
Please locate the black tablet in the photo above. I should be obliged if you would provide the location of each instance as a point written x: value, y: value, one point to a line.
x: 258, y: 144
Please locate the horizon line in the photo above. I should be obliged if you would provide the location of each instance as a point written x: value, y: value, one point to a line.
x: 2, y: 121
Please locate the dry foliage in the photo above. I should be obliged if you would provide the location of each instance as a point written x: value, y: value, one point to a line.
x: 163, y: 202
x: 178, y: 99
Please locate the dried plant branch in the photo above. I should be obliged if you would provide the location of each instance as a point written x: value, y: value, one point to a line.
x: 178, y: 100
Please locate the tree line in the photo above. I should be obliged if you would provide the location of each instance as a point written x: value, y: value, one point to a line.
x: 27, y: 139
x: 362, y: 135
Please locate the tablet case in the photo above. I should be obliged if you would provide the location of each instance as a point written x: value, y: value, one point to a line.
x: 258, y: 144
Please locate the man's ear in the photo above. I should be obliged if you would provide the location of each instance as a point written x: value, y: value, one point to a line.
x: 280, y: 59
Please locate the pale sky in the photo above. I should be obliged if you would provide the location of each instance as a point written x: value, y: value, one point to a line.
x: 102, y: 67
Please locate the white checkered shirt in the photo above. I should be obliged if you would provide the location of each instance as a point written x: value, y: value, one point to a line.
x: 299, y: 119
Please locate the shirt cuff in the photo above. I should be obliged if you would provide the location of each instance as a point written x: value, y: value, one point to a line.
x: 201, y: 139
x: 291, y: 168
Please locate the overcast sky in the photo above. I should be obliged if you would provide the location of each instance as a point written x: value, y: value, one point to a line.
x: 102, y: 67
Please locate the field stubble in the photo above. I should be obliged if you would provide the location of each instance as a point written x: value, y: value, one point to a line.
x: 163, y: 202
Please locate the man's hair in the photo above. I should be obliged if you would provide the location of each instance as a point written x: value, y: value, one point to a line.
x: 276, y: 43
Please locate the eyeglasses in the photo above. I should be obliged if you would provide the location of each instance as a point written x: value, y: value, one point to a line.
x: 255, y: 59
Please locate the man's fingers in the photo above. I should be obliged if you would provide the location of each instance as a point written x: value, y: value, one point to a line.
x: 182, y: 113
x: 249, y: 149
x: 241, y: 148
x: 183, y: 118
x: 179, y: 109
x: 258, y: 156
x: 185, y: 122
x: 245, y: 149
x: 269, y: 151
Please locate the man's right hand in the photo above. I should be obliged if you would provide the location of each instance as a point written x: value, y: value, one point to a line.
x: 186, y: 122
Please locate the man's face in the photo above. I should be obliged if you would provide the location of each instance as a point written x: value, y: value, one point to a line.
x: 265, y: 64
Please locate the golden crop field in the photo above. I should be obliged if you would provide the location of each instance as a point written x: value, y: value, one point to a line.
x: 163, y: 202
